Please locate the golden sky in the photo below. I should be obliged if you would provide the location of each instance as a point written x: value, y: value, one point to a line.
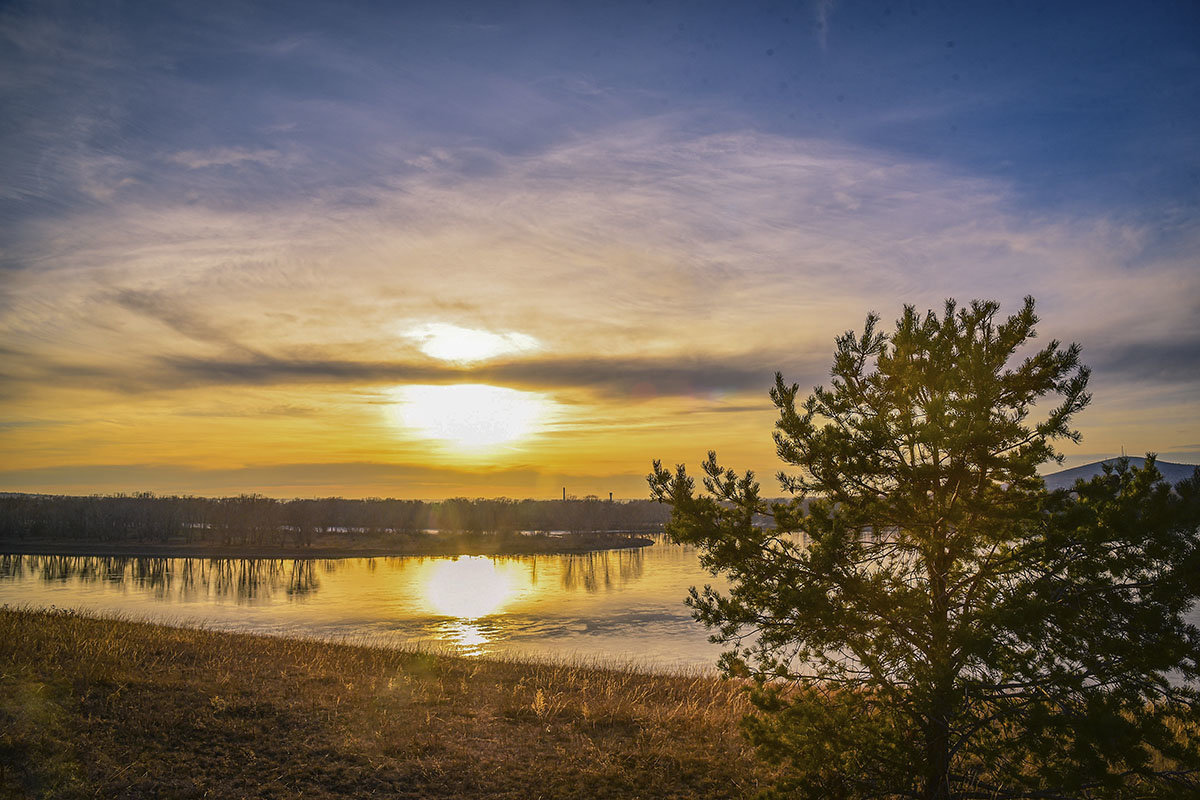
x: 262, y: 255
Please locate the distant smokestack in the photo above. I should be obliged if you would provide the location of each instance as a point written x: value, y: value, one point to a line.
x: 564, y: 493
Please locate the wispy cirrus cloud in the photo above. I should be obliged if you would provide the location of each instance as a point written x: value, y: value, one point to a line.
x: 644, y: 240
x: 823, y: 10
x: 225, y: 157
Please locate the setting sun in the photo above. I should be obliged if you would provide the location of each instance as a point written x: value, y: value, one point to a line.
x: 470, y: 416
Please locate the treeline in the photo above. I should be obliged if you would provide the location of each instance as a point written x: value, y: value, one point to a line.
x: 257, y: 520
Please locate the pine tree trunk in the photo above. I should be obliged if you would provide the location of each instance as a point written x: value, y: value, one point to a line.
x: 937, y: 758
x: 941, y: 700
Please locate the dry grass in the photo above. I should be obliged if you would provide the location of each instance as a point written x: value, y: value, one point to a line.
x: 95, y: 707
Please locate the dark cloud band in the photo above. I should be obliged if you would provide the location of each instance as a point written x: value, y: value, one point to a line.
x: 609, y: 376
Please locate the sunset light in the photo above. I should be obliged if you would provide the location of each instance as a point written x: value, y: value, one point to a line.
x: 437, y: 399
x: 468, y: 345
x: 470, y: 416
x: 478, y: 263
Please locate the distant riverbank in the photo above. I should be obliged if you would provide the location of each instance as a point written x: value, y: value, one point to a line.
x: 333, y: 548
x: 92, y: 707
x: 252, y: 526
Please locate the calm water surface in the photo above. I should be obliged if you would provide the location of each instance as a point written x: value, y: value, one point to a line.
x: 615, y: 605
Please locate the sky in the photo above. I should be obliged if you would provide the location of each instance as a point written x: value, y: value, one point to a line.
x: 479, y: 249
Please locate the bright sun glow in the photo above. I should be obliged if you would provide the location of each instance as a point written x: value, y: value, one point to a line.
x: 468, y: 588
x: 467, y: 345
x: 471, y: 416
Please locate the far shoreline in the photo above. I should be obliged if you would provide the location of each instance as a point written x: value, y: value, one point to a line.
x: 536, y: 546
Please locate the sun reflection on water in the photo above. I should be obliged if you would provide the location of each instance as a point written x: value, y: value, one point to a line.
x: 468, y: 638
x: 468, y: 588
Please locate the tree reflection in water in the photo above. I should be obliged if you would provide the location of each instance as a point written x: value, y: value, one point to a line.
x: 246, y: 580
x: 604, y: 569
x: 254, y: 580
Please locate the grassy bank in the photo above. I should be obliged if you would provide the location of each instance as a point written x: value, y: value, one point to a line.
x: 101, y: 708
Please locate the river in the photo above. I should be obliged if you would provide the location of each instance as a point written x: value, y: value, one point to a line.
x: 615, y: 607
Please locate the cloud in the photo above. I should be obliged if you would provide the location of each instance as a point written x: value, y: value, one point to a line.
x: 624, y: 378
x: 171, y: 313
x: 650, y: 377
x: 635, y: 239
x: 265, y: 370
x: 823, y: 9
x: 225, y: 157
x: 1171, y: 361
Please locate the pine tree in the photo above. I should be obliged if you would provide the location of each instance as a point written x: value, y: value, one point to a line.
x: 922, y: 618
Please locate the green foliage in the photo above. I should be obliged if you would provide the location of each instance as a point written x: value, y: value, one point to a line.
x: 922, y: 618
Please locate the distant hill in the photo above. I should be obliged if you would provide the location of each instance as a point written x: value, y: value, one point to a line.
x: 1172, y: 473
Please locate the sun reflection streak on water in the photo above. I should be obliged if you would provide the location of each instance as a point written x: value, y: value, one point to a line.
x: 467, y: 638
x: 468, y: 589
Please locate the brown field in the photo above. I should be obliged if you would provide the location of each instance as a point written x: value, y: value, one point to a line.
x: 95, y: 707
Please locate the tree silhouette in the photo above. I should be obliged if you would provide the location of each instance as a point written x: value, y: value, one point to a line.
x: 923, y: 619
